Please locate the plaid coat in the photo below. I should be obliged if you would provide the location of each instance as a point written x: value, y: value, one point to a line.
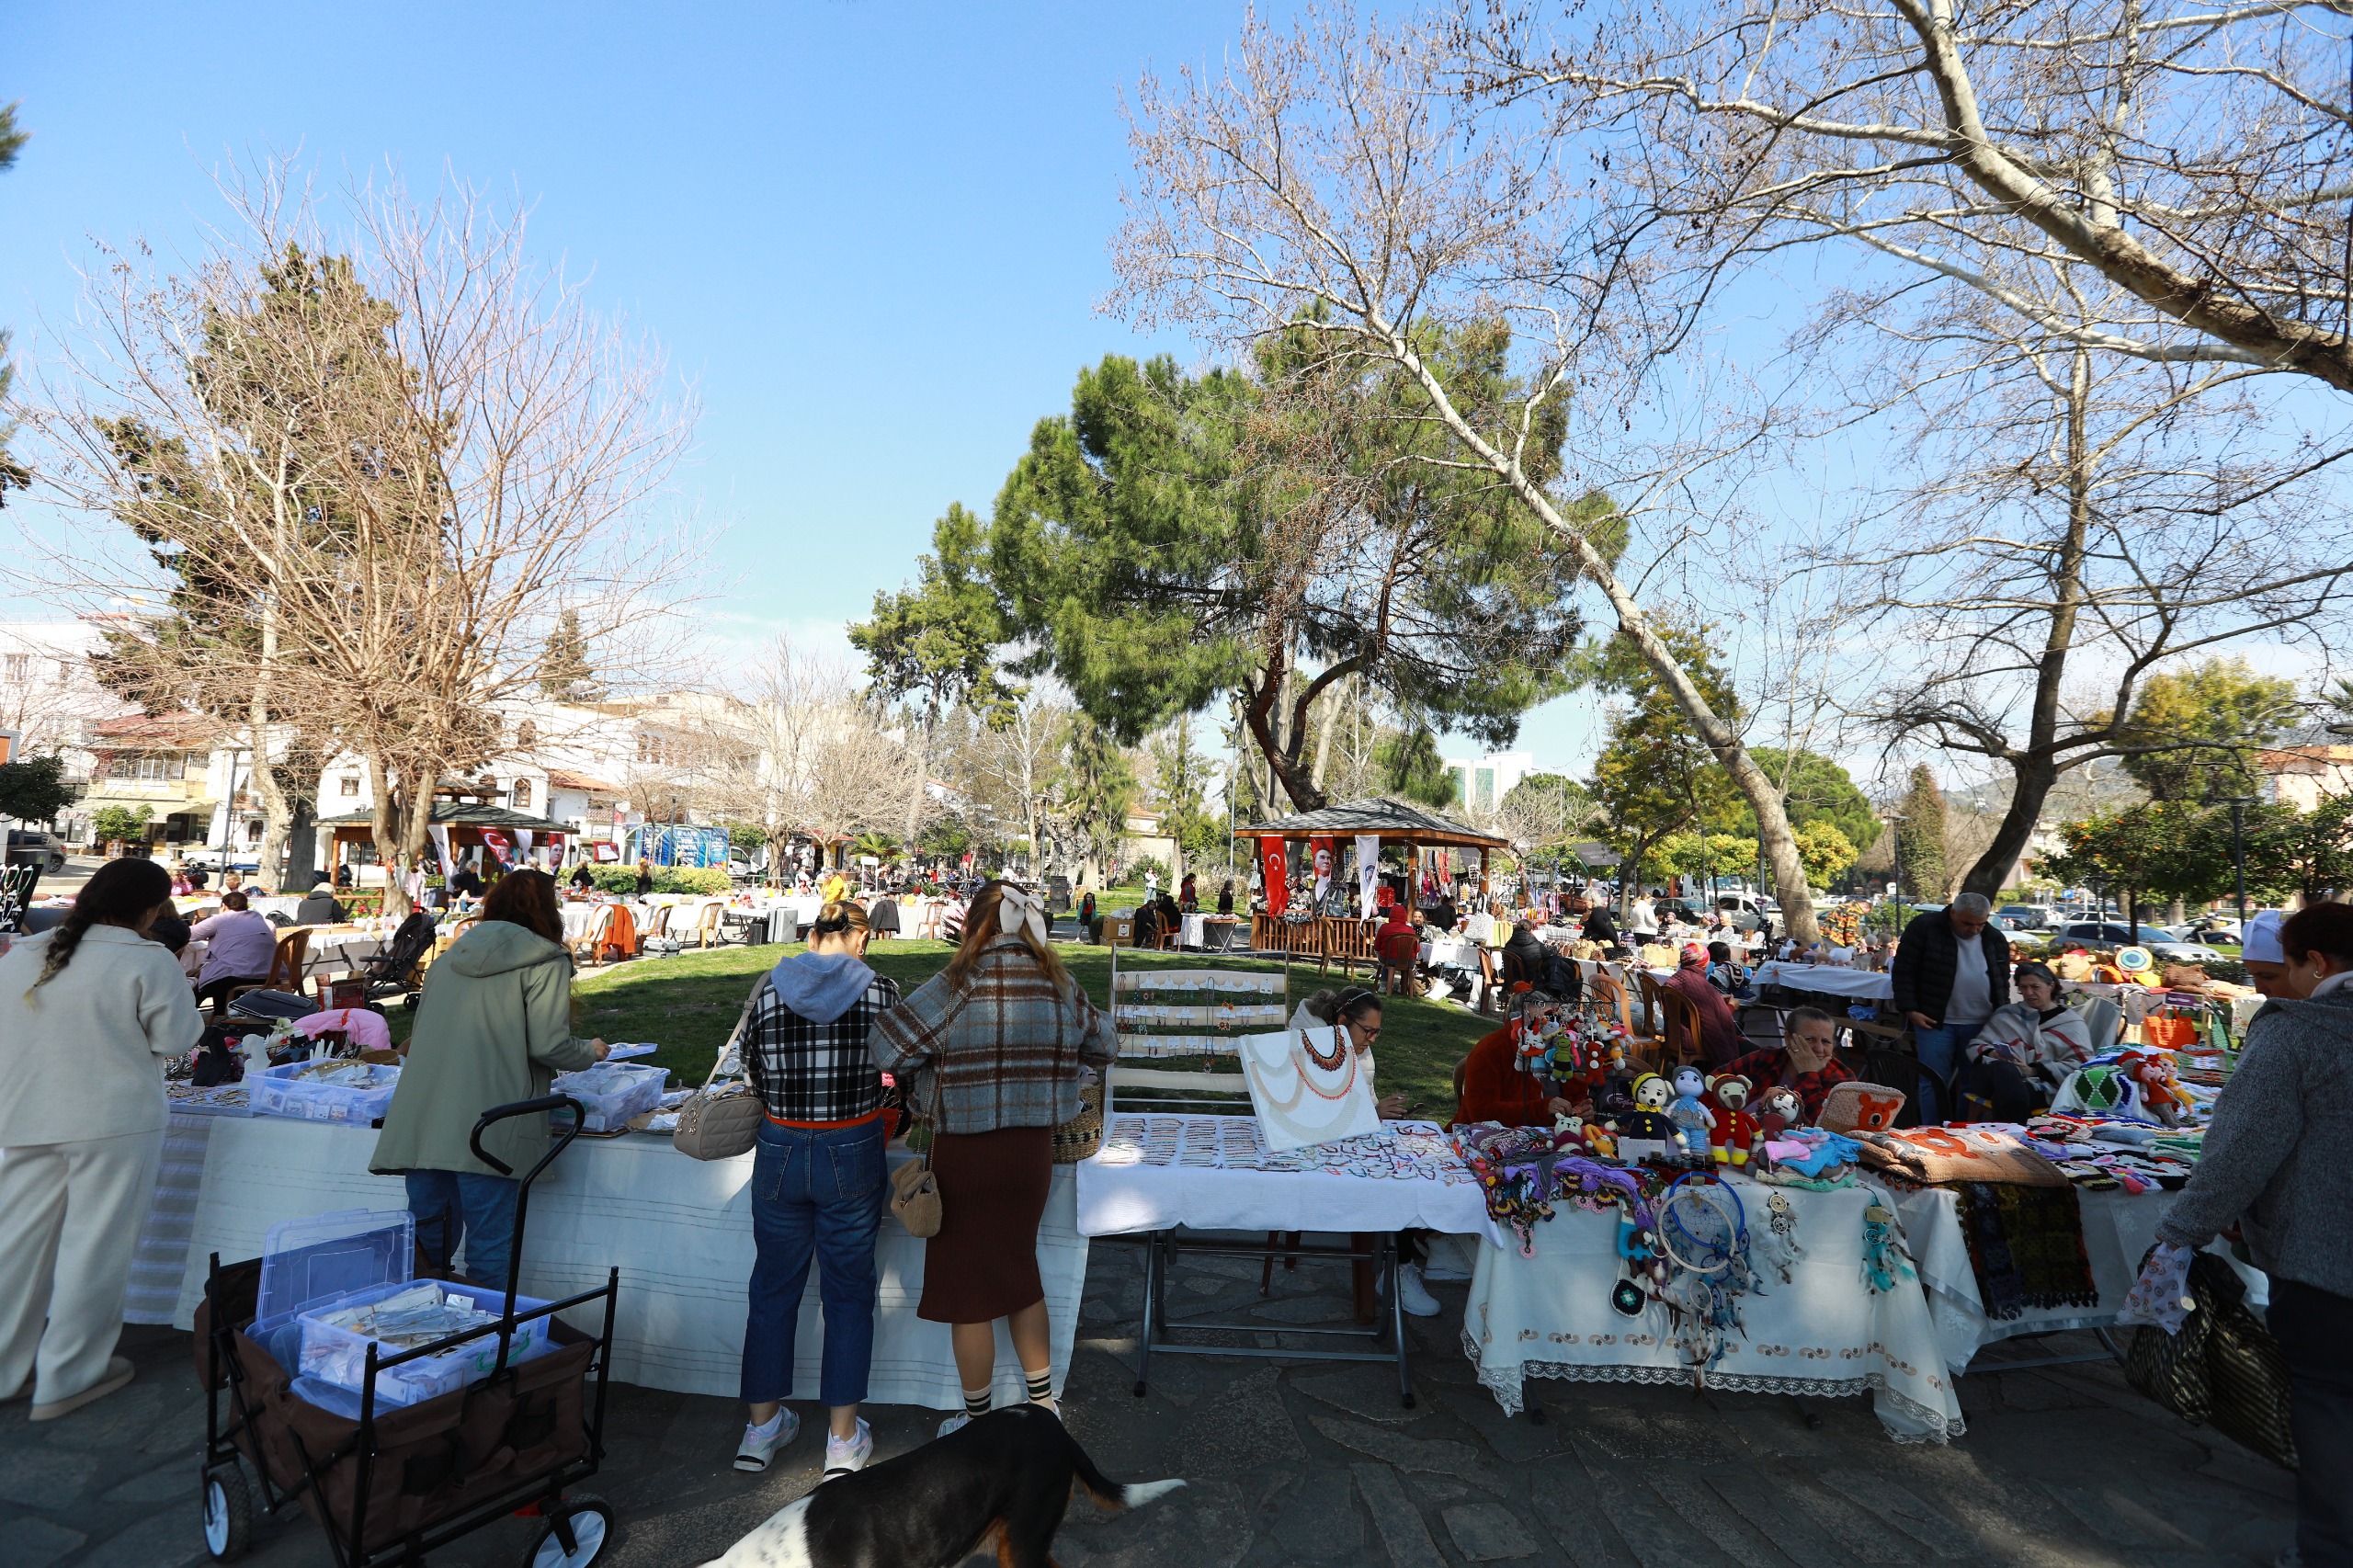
x: 1003, y: 1050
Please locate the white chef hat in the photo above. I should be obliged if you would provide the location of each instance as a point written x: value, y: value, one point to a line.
x: 2260, y: 942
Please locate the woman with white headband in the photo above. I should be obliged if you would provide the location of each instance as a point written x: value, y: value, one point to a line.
x: 994, y: 1044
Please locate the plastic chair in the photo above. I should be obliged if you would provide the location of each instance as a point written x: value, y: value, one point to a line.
x: 592, y: 937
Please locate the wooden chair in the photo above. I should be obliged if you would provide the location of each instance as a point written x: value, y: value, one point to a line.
x: 1681, y: 1015
x: 1352, y: 945
x: 286, y: 965
x: 1492, y: 1000
x: 591, y: 936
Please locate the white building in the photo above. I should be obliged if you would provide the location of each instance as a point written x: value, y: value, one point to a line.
x: 1481, y: 782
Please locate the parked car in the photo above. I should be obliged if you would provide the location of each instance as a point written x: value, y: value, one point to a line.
x: 29, y: 847
x: 2027, y: 917
x: 2161, y: 942
x: 2213, y: 927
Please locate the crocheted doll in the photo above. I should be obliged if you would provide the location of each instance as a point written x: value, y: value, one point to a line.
x: 1779, y: 1108
x: 1644, y: 1132
x: 1689, y: 1113
x: 1737, y: 1134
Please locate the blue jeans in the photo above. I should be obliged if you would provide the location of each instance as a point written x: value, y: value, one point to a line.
x: 814, y: 1193
x: 454, y: 1206
x: 1939, y: 1050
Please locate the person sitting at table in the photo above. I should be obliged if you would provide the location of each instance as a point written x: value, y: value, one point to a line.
x: 493, y: 1027
x: 1806, y: 1059
x: 1720, y: 1038
x: 818, y: 1184
x: 883, y: 919
x: 319, y: 906
x: 1442, y: 916
x: 1495, y: 1089
x: 90, y: 1011
x: 1398, y: 948
x: 1356, y: 1012
x: 994, y: 1045
x: 2028, y: 1047
x: 1599, y: 927
x: 197, y: 877
x: 233, y: 881
x: 180, y: 885
x: 1524, y: 954
x: 1225, y: 896
x: 243, y: 948
x: 1722, y: 974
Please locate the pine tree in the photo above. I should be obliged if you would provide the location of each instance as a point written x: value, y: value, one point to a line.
x: 1920, y: 837
x: 564, y: 673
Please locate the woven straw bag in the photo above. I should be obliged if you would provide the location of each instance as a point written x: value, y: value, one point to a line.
x: 914, y: 1196
x: 1078, y: 1138
x: 719, y: 1120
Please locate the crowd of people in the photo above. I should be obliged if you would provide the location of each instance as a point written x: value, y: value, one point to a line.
x: 993, y: 1053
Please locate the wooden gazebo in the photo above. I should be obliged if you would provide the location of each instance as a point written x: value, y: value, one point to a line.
x: 1392, y: 822
x: 466, y: 821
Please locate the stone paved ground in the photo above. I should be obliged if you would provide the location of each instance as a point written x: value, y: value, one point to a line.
x: 1310, y: 1464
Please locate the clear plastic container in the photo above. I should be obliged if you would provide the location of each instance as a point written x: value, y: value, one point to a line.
x: 328, y: 1256
x: 283, y: 1091
x: 611, y: 1092
x: 338, y: 1356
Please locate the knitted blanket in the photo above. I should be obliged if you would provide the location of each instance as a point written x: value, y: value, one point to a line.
x: 2026, y: 1246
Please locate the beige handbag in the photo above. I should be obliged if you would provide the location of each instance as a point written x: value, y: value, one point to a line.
x: 719, y: 1122
x: 914, y: 1198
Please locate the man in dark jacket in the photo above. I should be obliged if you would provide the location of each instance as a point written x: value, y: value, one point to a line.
x: 1600, y: 928
x: 1524, y: 955
x: 1952, y: 970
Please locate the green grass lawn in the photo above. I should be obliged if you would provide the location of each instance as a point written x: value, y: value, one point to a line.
x: 686, y: 1005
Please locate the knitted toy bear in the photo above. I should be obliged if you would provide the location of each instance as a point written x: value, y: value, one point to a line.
x: 1736, y: 1134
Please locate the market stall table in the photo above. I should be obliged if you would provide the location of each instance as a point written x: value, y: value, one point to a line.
x: 1830, y: 978
x: 621, y: 936
x: 1207, y: 933
x: 2119, y: 1228
x: 1825, y: 1332
x: 678, y: 1228
x: 1156, y: 1174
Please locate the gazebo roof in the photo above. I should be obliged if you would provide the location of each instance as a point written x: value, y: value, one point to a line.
x: 458, y: 814
x: 1392, y: 821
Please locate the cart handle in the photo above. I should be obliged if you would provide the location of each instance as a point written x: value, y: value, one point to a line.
x: 497, y: 1113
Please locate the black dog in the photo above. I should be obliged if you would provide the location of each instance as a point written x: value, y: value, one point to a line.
x: 1002, y: 1482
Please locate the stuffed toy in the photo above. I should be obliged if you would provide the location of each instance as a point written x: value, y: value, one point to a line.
x: 1737, y: 1134
x: 1779, y: 1108
x: 1644, y: 1132
x: 2157, y: 1088
x: 1689, y: 1113
x: 1855, y: 1105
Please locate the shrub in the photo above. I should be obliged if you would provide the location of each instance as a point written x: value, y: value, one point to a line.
x: 614, y: 878
x: 690, y: 879
x: 110, y: 824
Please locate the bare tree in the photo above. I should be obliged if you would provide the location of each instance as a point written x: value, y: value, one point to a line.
x: 1014, y: 766
x: 1327, y: 183
x: 476, y: 453
x: 2191, y: 156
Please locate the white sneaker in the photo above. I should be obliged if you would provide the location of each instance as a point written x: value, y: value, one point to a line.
x: 847, y: 1456
x: 955, y: 1423
x: 1444, y: 1268
x: 1417, y: 1302
x: 755, y: 1450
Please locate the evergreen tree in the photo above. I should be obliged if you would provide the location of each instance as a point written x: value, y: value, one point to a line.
x: 564, y: 672
x: 1920, y: 837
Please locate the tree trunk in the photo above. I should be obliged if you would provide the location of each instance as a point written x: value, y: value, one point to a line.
x: 923, y: 775
x: 385, y: 826
x: 1772, y: 819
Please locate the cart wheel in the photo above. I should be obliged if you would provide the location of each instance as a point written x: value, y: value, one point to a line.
x: 593, y: 1530
x: 228, y: 1513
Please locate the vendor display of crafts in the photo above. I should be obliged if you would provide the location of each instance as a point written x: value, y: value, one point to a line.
x: 1308, y: 1086
x: 1163, y: 1013
x: 610, y: 1093
x: 1395, y: 1151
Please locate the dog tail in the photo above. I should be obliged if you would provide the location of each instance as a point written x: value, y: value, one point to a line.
x: 1112, y: 1495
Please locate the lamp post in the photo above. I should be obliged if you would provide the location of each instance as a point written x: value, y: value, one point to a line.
x: 2238, y: 804
x: 1895, y: 829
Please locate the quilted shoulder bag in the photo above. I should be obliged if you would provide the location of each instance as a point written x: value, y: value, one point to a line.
x: 721, y: 1121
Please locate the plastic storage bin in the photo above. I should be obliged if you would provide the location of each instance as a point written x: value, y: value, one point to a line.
x: 328, y: 1256
x: 283, y: 1091
x: 338, y: 1356
x: 611, y: 1092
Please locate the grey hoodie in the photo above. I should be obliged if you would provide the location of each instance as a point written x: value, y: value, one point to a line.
x: 2275, y: 1157
x: 820, y: 988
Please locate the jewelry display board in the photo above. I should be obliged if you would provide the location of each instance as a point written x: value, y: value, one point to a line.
x: 1308, y: 1087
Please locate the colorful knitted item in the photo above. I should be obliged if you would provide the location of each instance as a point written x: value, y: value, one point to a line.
x: 2026, y: 1246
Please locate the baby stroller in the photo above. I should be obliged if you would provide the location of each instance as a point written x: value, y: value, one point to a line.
x: 401, y: 1481
x: 392, y: 972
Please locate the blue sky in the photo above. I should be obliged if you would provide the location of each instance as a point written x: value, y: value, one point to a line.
x: 872, y: 235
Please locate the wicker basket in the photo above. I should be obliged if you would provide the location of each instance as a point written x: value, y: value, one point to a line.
x: 1078, y: 1138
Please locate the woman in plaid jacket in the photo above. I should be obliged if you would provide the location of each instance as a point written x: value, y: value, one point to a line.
x: 817, y: 1182
x: 996, y: 1044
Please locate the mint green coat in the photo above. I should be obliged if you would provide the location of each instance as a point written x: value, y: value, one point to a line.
x: 495, y: 1027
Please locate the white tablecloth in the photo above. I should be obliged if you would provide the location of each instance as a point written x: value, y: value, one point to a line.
x: 1458, y: 951
x: 1863, y: 984
x: 1154, y: 1173
x: 2118, y: 1228
x: 340, y: 952
x: 1825, y: 1332
x: 679, y: 1230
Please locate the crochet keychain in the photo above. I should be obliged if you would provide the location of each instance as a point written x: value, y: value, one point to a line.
x: 1777, y: 1245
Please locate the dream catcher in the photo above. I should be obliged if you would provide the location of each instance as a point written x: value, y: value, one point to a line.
x: 1703, y: 1236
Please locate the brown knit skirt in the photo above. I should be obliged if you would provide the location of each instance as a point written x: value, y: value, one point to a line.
x: 983, y: 1263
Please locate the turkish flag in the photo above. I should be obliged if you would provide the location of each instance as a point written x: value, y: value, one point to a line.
x: 1270, y: 861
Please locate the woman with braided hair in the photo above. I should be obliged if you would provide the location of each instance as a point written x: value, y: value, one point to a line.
x: 90, y: 1011
x: 994, y: 1044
